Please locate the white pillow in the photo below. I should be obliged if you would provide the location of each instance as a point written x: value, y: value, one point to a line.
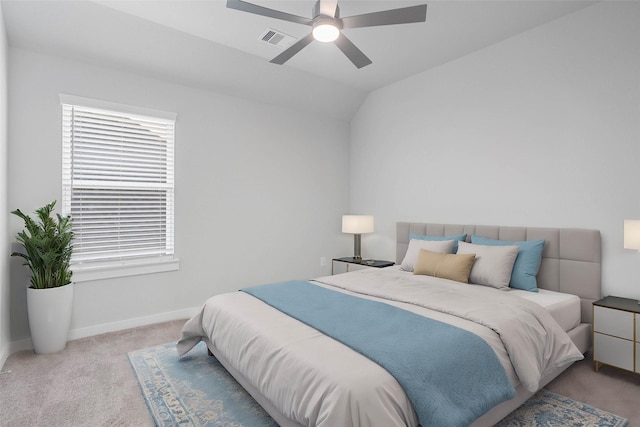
x: 410, y: 258
x: 493, y: 264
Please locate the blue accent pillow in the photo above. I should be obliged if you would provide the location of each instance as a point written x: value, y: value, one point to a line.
x: 527, y: 263
x: 454, y: 237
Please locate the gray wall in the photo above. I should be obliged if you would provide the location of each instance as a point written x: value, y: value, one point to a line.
x: 4, y: 162
x: 538, y: 130
x: 259, y: 190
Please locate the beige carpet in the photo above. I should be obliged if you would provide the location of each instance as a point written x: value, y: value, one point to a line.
x: 91, y: 383
x: 611, y: 389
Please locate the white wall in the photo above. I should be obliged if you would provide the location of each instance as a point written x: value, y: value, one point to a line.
x: 4, y: 251
x: 542, y: 129
x: 259, y: 189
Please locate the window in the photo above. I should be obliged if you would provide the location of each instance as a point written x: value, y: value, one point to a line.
x: 118, y: 186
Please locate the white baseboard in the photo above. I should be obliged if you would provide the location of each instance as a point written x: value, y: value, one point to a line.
x: 4, y: 353
x: 74, y: 334
x: 23, y: 344
x: 131, y: 323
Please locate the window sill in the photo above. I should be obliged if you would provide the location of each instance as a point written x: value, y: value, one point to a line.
x: 83, y: 273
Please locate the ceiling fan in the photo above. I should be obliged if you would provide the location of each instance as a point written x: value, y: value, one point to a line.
x: 327, y: 25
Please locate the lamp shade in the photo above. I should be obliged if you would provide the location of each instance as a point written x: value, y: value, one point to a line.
x: 357, y: 224
x: 632, y: 234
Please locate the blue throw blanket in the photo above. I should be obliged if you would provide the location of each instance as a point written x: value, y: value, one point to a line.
x: 450, y: 375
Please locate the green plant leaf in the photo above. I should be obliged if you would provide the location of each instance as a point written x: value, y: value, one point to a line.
x: 47, y: 247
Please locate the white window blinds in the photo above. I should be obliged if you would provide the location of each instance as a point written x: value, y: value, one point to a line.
x: 118, y: 186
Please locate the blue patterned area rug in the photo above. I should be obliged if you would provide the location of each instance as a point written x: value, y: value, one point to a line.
x: 197, y: 391
x: 547, y: 409
x: 194, y: 390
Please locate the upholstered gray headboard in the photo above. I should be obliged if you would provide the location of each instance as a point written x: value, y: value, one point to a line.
x: 570, y: 260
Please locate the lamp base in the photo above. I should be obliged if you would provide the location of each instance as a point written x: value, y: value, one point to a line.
x: 356, y: 246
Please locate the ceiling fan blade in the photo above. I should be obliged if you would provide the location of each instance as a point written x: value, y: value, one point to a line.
x: 352, y: 52
x: 265, y: 11
x: 328, y: 7
x: 405, y: 15
x: 292, y: 50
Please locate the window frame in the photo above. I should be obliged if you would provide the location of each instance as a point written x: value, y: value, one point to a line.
x: 98, y: 270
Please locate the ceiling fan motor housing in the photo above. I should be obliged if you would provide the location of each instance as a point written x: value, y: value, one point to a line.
x: 326, y: 20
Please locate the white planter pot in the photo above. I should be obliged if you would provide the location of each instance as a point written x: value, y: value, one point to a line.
x: 49, y: 317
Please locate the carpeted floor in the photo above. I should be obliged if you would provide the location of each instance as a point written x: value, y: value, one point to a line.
x: 611, y: 389
x: 91, y: 383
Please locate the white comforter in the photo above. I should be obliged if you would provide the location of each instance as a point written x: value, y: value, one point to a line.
x: 317, y: 381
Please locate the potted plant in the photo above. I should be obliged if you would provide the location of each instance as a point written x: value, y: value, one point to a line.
x: 46, y: 244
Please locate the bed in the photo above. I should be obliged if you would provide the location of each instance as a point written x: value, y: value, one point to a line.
x: 304, y: 377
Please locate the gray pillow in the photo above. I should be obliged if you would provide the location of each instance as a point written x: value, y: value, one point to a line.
x: 410, y: 258
x: 493, y: 264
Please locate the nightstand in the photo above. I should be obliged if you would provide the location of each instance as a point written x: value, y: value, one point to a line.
x: 616, y: 333
x: 353, y: 264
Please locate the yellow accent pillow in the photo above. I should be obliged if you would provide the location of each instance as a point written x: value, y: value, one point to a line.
x: 447, y: 266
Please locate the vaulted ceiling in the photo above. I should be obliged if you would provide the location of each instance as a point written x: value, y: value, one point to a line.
x: 206, y: 45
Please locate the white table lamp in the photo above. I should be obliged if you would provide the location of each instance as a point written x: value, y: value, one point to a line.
x: 632, y: 235
x: 357, y: 225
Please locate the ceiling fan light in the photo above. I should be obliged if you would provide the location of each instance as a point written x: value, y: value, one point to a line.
x: 325, y: 33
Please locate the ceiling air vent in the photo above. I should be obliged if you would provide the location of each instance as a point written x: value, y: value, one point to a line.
x: 277, y: 38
